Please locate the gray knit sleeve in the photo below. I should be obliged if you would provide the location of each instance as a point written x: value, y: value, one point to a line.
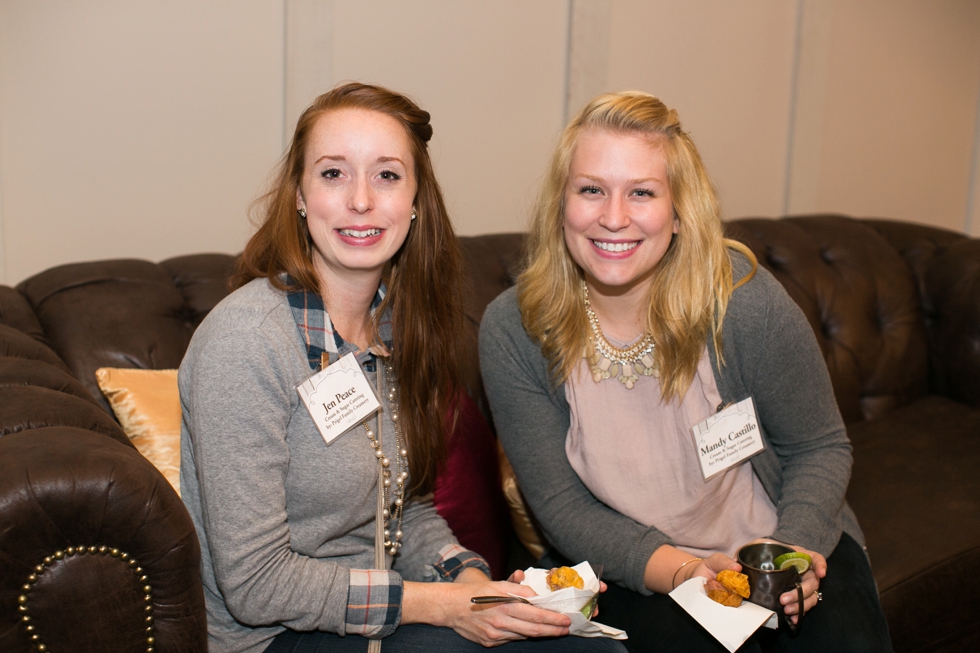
x: 237, y: 404
x: 776, y: 356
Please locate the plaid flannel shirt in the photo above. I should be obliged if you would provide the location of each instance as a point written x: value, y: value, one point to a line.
x: 374, y: 597
x: 374, y: 600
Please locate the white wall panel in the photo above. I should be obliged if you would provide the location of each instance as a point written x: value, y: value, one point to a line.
x: 492, y: 74
x: 309, y: 57
x: 888, y: 100
x: 134, y: 129
x: 727, y: 68
x: 145, y: 129
x: 972, y: 225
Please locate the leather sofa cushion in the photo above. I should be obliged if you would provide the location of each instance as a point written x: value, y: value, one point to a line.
x: 953, y: 317
x: 861, y: 300
x: 67, y: 487
x: 17, y: 313
x: 915, y: 488
x: 491, y: 264
x: 16, y: 343
x: 27, y: 408
x: 125, y: 313
x: 18, y: 371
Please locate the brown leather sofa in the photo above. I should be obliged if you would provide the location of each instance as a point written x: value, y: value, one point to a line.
x: 98, y: 554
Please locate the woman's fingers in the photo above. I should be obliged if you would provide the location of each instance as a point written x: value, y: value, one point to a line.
x: 493, y: 625
x: 811, y: 586
x: 818, y: 562
x: 516, y: 577
x: 710, y: 566
x: 510, y: 587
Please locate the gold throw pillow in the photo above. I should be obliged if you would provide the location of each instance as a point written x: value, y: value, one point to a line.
x: 520, y: 517
x: 147, y: 405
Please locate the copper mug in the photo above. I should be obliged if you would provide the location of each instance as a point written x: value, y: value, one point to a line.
x: 767, y: 583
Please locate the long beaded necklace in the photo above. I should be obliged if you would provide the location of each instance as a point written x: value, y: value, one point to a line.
x: 391, y: 514
x: 607, y: 361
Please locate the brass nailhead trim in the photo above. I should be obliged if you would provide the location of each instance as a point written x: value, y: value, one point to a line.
x: 24, y: 599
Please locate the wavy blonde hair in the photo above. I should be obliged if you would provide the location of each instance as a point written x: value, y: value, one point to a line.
x: 693, y: 281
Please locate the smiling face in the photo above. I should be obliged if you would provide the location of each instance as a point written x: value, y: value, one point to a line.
x: 618, y: 218
x: 357, y: 188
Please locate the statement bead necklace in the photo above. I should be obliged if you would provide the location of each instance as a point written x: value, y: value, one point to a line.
x: 607, y: 361
x: 391, y: 513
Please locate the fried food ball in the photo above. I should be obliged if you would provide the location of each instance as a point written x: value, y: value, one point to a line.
x: 721, y: 594
x: 562, y: 577
x: 734, y: 582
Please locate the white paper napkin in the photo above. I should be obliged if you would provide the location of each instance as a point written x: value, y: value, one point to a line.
x: 570, y: 601
x: 730, y: 626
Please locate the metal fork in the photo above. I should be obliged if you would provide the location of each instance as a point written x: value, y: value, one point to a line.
x: 481, y: 600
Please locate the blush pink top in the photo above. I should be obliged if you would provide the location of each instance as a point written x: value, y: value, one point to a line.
x: 637, y: 455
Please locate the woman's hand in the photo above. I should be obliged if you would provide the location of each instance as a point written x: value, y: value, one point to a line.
x: 709, y: 567
x: 669, y: 567
x: 811, y: 584
x: 448, y: 604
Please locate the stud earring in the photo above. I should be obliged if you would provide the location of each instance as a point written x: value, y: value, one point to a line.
x: 414, y: 214
x: 302, y: 213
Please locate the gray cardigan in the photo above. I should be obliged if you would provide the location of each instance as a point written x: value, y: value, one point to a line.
x: 281, y: 516
x: 770, y: 353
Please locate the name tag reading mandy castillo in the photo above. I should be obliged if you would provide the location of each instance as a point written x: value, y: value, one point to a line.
x: 338, y: 397
x: 727, y: 438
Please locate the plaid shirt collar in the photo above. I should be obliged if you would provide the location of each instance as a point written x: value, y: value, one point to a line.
x: 320, y: 337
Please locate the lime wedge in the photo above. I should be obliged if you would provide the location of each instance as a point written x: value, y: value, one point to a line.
x: 796, y: 559
x: 589, y: 608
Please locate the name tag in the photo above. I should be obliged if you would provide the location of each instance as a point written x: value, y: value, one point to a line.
x: 338, y: 397
x: 727, y: 438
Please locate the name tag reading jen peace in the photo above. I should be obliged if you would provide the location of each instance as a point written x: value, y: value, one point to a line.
x: 727, y: 438
x: 338, y: 397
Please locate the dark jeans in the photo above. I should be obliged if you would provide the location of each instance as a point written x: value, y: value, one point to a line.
x: 848, y: 619
x: 420, y: 638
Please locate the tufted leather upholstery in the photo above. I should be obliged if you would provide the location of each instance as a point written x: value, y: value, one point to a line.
x: 491, y: 264
x: 125, y: 313
x: 65, y: 487
x: 860, y: 298
x: 65, y: 484
x: 895, y: 307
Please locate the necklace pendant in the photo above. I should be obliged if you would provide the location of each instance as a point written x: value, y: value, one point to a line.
x: 606, y: 361
x: 628, y: 378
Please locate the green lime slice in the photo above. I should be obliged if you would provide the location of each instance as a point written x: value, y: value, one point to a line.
x: 796, y: 559
x: 589, y: 608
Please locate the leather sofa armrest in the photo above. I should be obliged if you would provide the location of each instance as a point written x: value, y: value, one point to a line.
x: 97, y: 552
x: 952, y: 306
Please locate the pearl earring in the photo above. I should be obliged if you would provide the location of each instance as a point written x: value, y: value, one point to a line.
x: 414, y: 214
x: 302, y: 213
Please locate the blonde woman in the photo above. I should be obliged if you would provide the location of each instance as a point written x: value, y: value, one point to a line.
x: 635, y: 321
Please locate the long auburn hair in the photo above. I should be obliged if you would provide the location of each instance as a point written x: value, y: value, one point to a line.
x: 426, y: 334
x: 693, y: 281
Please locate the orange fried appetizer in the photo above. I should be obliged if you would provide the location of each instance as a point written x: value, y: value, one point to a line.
x: 562, y: 577
x: 734, y: 582
x: 728, y: 588
x: 721, y: 594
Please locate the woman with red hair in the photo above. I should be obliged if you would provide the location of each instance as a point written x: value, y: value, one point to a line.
x: 315, y: 546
